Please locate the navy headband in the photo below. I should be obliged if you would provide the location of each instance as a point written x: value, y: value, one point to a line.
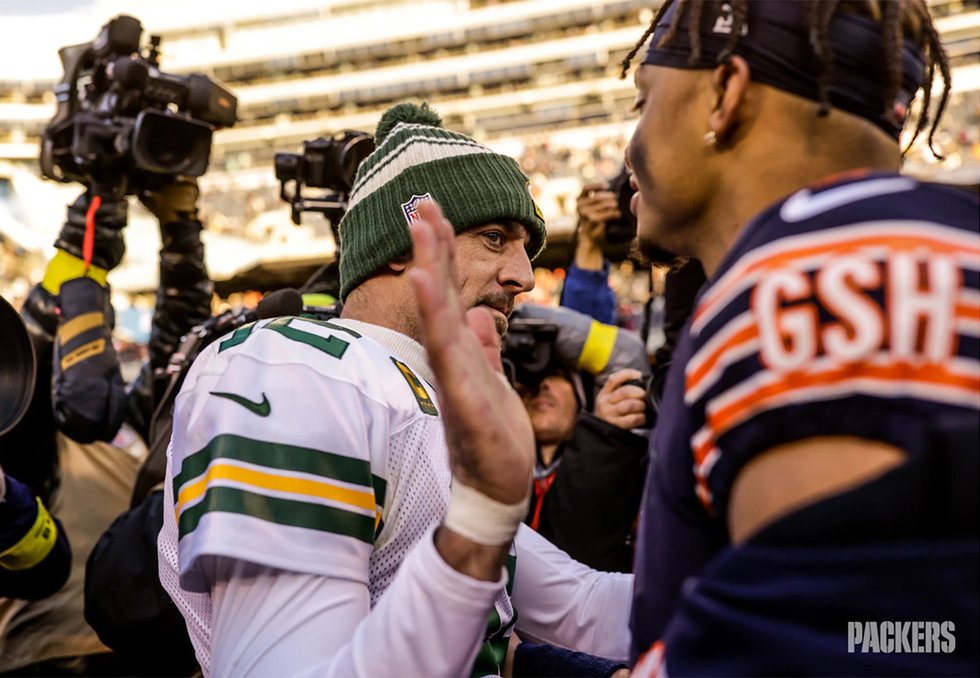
x: 776, y: 44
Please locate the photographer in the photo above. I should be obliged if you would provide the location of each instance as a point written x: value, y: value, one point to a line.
x: 590, y: 465
x: 586, y: 287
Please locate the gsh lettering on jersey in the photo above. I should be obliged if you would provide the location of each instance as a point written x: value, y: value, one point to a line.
x: 920, y: 287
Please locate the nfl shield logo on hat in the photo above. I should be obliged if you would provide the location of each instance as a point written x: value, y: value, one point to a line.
x: 411, y: 208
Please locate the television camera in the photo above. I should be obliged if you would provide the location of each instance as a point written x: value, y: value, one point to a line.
x: 120, y: 117
x: 328, y: 163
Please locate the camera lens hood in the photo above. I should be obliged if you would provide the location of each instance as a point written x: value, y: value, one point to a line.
x: 17, y: 364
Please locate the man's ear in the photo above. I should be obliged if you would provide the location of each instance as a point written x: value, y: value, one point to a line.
x: 400, y: 263
x: 730, y: 81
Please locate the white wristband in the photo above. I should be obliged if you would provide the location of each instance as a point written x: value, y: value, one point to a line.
x: 481, y: 519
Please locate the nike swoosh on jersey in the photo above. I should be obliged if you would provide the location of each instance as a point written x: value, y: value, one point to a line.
x: 262, y: 408
x: 804, y: 205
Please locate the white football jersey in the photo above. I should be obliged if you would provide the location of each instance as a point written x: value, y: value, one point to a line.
x: 307, y: 446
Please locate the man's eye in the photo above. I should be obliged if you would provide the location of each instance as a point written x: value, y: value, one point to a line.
x: 495, y: 237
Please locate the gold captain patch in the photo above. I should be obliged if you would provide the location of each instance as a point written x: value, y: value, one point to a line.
x: 418, y: 390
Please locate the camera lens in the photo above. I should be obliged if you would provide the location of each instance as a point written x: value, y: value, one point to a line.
x: 169, y: 152
x: 355, y: 151
x: 170, y: 144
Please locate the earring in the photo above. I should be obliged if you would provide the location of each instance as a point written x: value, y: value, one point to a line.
x: 710, y: 138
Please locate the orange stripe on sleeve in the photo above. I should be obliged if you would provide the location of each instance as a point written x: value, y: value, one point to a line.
x: 700, y: 370
x: 968, y: 311
x: 927, y: 375
x: 704, y: 447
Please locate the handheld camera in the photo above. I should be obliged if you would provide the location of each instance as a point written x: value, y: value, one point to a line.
x: 119, y: 115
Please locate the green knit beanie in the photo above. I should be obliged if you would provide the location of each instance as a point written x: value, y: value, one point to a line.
x: 417, y: 160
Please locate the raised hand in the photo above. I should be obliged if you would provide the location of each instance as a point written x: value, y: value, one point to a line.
x: 596, y: 205
x: 491, y: 443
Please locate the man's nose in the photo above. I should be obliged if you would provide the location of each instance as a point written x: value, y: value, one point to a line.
x: 547, y: 385
x: 516, y: 275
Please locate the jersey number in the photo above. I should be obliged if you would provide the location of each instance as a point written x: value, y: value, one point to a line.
x: 332, y: 346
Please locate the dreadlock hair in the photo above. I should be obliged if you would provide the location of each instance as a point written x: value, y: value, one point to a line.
x: 895, y: 16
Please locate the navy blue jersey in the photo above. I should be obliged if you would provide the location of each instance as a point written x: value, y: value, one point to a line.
x: 849, y: 309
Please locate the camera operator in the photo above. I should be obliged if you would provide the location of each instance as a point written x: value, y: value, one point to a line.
x: 85, y: 479
x: 122, y: 127
x: 586, y: 287
x: 588, y: 478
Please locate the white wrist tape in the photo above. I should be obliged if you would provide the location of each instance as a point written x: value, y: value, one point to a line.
x: 481, y: 519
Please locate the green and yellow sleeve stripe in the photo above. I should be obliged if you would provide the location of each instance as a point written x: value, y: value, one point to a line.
x: 256, y: 478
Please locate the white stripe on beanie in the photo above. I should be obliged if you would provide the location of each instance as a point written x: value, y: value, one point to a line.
x: 413, y: 151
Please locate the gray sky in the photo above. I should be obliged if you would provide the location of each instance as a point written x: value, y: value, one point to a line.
x: 28, y: 7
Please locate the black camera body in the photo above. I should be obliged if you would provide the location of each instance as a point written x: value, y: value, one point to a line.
x: 328, y: 163
x: 621, y: 231
x: 529, y: 352
x: 119, y: 115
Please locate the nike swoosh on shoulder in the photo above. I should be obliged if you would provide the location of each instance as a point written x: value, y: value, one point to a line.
x: 262, y: 408
x: 804, y: 205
